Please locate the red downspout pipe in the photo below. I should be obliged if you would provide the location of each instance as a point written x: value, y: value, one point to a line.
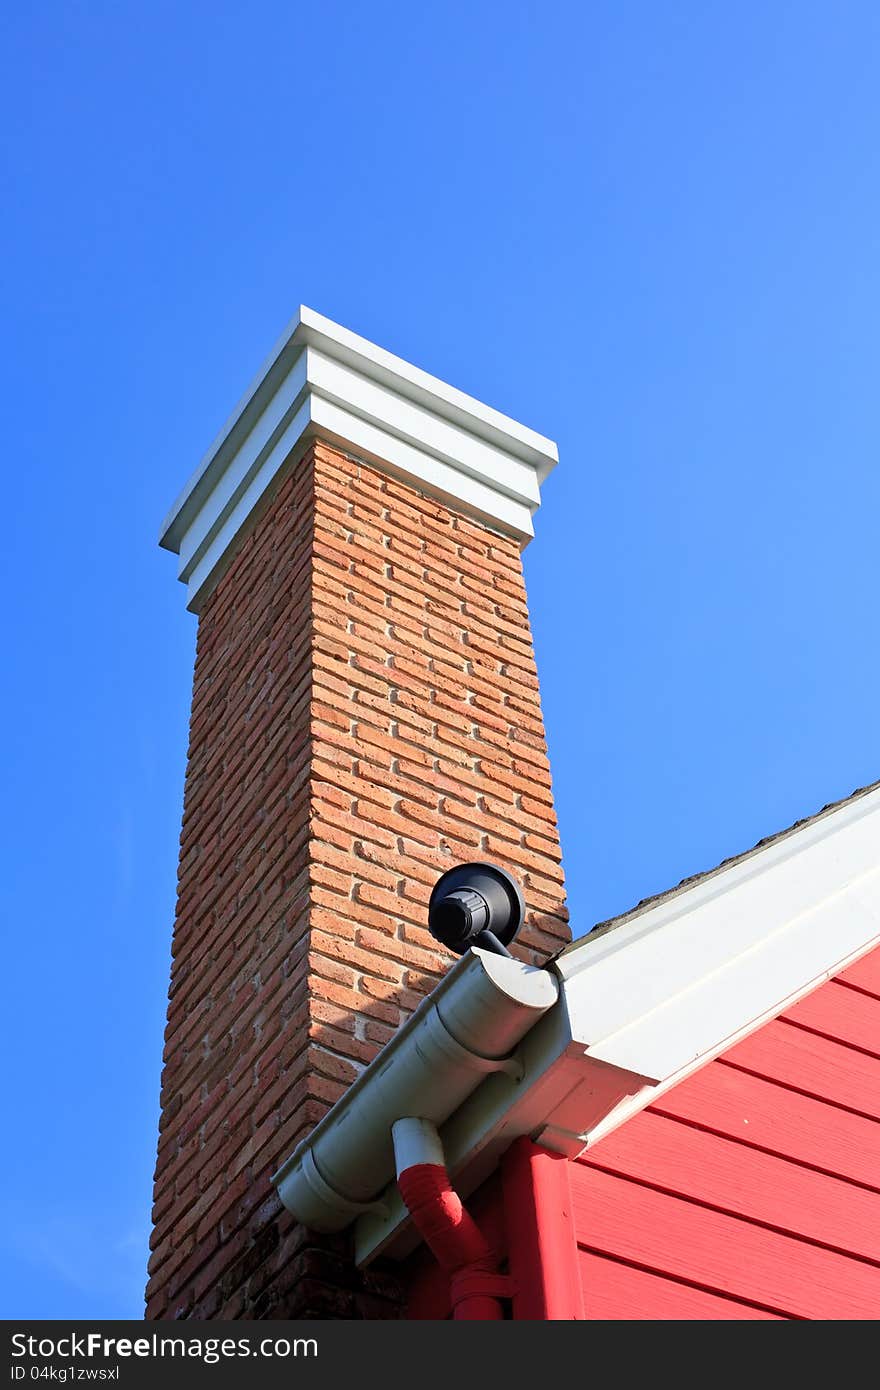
x: 451, y: 1234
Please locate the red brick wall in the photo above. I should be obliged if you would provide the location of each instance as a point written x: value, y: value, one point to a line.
x: 365, y: 714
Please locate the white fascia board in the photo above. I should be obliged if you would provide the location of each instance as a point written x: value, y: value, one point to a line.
x: 730, y: 946
x: 656, y: 998
x: 322, y: 380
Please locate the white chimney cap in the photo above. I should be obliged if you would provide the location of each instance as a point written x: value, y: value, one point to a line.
x: 322, y: 380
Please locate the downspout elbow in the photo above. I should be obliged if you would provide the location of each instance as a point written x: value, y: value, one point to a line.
x: 449, y: 1231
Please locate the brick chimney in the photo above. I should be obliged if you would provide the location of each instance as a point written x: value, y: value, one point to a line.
x: 365, y: 714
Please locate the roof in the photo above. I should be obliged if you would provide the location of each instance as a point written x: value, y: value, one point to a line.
x: 645, y: 903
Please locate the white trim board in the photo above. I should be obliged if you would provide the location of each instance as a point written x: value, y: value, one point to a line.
x: 660, y: 988
x: 322, y: 380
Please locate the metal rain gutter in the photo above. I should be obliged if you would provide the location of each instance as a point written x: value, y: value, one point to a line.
x: 464, y: 1031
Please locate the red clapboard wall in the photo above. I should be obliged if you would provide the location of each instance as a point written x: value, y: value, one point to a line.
x: 751, y: 1190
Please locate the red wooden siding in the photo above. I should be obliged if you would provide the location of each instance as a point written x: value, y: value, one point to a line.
x: 811, y: 1064
x: 624, y: 1292
x: 865, y: 974
x: 751, y: 1190
x: 733, y: 1103
x: 845, y: 1014
x: 758, y: 1187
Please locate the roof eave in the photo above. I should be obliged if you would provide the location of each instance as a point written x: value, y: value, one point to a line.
x: 642, y: 1008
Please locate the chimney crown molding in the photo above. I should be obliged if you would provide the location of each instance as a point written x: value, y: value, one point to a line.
x: 322, y: 381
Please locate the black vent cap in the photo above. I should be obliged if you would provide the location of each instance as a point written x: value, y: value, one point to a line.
x: 476, y: 905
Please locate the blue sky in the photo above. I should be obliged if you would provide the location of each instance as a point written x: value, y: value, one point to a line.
x: 649, y: 231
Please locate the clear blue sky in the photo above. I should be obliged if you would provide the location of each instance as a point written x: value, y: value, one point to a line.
x: 651, y: 231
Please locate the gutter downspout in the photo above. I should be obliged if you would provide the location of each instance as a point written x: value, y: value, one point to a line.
x: 453, y: 1237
